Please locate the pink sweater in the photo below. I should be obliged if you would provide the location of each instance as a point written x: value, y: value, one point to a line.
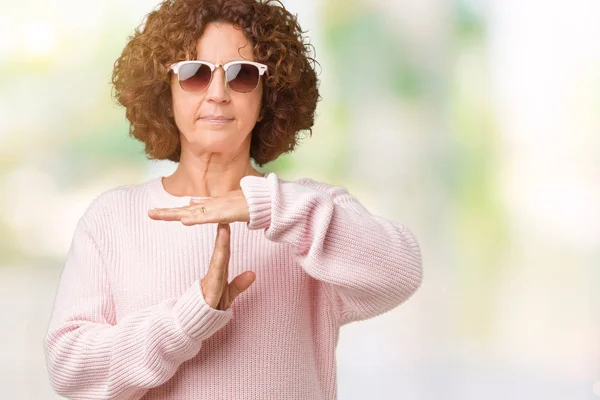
x: 129, y: 320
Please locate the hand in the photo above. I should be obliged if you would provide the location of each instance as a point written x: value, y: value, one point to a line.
x: 217, y: 292
x: 225, y: 209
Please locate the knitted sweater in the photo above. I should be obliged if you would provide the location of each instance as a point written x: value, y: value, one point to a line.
x: 129, y: 320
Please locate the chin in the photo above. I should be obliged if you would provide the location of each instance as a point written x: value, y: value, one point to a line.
x: 217, y: 141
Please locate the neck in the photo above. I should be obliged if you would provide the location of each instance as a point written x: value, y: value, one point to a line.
x: 208, y: 176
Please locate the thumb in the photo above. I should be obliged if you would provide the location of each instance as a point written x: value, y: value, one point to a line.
x: 241, y: 283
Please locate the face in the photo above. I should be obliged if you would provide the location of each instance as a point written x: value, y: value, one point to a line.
x: 220, y: 43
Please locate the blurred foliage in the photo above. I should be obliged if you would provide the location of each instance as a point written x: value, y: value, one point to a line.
x: 469, y: 24
x: 63, y: 123
x: 368, y: 56
x: 471, y: 175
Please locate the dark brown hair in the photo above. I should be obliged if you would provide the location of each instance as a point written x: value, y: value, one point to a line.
x: 169, y: 34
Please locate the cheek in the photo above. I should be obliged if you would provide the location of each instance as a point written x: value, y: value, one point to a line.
x: 251, y: 112
x: 184, y: 110
x: 254, y: 106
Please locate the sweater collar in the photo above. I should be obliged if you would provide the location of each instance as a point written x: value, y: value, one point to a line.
x: 163, y: 198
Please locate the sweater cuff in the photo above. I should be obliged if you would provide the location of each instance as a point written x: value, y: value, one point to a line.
x: 258, y: 196
x: 197, y: 319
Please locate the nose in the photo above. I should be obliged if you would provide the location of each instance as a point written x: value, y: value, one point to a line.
x: 217, y: 91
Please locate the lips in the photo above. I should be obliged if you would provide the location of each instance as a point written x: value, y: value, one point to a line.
x: 217, y: 118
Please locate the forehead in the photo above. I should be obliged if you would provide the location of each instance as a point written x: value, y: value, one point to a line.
x: 222, y: 42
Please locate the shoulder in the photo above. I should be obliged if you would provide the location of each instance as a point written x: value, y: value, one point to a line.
x: 338, y: 194
x: 257, y: 189
x: 310, y: 183
x: 272, y: 183
x: 115, y: 201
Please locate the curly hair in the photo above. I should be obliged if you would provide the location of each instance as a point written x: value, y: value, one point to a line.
x: 141, y: 76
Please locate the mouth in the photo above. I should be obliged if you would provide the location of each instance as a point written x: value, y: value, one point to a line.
x: 216, y: 119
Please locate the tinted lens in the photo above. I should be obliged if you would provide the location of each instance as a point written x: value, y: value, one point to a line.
x: 194, y: 77
x: 242, y: 77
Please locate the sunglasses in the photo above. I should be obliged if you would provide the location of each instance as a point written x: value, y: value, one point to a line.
x: 240, y: 76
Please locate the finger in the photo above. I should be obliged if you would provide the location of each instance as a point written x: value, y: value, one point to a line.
x: 169, y: 209
x: 222, y: 240
x: 241, y: 283
x: 197, y: 214
x: 189, y: 215
x: 214, y: 283
x: 199, y: 200
x: 216, y: 276
x: 170, y: 214
x: 220, y: 256
x: 162, y: 215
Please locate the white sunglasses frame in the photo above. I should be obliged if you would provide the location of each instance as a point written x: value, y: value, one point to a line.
x: 262, y: 68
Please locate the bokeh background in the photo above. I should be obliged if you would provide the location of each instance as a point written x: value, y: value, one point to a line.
x: 475, y: 123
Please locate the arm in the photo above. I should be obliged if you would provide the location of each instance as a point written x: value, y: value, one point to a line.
x: 91, y: 356
x: 369, y: 264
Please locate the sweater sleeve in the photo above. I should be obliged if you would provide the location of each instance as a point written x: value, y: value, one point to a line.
x: 90, y: 355
x: 368, y: 264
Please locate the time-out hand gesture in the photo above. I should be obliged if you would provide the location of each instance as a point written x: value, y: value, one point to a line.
x: 225, y: 209
x: 217, y: 292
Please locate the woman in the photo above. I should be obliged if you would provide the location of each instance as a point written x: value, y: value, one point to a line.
x: 147, y: 305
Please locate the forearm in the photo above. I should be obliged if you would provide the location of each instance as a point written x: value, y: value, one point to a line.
x: 373, y: 264
x: 92, y: 360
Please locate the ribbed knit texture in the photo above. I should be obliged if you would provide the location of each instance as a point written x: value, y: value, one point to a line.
x: 130, y: 321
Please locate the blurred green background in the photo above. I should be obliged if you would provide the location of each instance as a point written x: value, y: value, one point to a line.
x: 474, y: 123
